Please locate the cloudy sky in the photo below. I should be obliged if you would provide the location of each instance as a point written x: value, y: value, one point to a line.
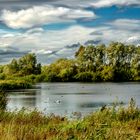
x: 54, y: 28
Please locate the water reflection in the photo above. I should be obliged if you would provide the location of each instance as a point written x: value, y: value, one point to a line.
x: 65, y: 98
x: 19, y: 99
x: 91, y: 105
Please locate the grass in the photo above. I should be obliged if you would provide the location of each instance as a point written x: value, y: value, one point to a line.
x: 3, y: 100
x: 107, y: 123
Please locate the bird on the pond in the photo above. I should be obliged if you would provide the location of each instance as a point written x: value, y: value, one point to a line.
x: 103, y: 108
x: 58, y: 101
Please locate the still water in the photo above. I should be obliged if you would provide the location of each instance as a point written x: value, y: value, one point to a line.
x: 65, y: 98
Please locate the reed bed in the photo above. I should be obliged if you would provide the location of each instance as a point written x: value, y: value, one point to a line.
x: 107, y: 123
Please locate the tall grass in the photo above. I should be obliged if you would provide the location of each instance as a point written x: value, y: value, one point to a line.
x: 107, y: 123
x: 3, y: 100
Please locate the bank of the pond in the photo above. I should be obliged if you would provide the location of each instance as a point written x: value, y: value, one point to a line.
x: 107, y: 123
x: 14, y: 84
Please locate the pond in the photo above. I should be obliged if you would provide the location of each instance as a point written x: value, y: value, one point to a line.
x: 66, y: 98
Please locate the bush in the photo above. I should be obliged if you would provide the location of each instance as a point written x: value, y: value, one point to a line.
x: 39, y: 78
x: 66, y: 75
x: 2, y: 76
x: 51, y: 77
x: 84, y: 77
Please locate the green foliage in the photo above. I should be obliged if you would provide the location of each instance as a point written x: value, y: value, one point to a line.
x: 66, y: 74
x: 84, y: 77
x: 2, y: 76
x: 116, y: 62
x: 3, y: 100
x: 14, y: 84
x: 100, y: 63
x: 61, y: 70
x: 26, y: 65
x: 107, y: 124
x: 51, y: 77
x: 40, y: 78
x: 107, y: 73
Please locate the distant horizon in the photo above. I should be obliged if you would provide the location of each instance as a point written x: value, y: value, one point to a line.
x: 48, y: 28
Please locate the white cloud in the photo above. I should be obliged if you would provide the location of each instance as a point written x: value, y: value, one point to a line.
x: 67, y: 3
x: 74, y: 14
x: 133, y: 40
x: 43, y: 51
x: 126, y: 24
x: 95, y: 3
x: 50, y: 43
x: 35, y: 31
x: 107, y: 3
x: 8, y: 35
x: 41, y: 15
x: 54, y: 40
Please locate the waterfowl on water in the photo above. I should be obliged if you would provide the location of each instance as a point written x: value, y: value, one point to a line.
x: 58, y: 101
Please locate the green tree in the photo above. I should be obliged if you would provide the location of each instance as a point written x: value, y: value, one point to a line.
x: 26, y: 65
x: 135, y: 64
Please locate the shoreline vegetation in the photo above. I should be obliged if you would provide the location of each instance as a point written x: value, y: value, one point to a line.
x: 14, y: 84
x: 116, y: 62
x: 106, y: 123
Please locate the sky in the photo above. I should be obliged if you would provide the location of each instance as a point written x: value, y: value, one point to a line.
x: 55, y: 29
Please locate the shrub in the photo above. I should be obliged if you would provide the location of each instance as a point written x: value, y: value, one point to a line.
x: 84, y: 76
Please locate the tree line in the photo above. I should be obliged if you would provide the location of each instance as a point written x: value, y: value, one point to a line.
x: 114, y: 62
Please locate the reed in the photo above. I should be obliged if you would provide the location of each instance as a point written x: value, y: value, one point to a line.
x: 107, y: 123
x: 3, y: 100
